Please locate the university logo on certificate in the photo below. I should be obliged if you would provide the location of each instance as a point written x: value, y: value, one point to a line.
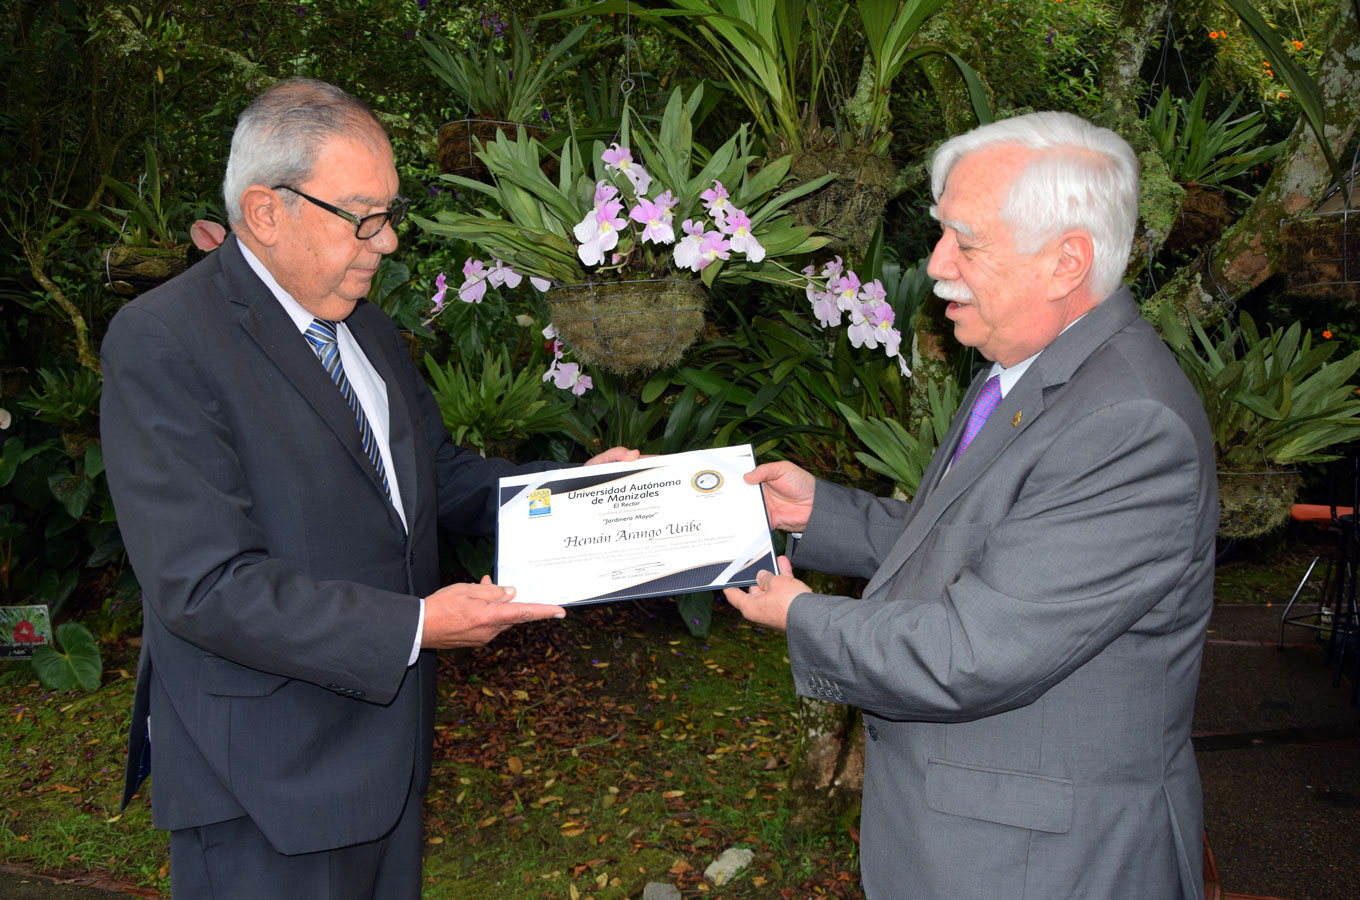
x: 540, y: 503
x: 647, y: 528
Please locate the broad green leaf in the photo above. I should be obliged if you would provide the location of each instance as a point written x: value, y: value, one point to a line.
x: 76, y: 664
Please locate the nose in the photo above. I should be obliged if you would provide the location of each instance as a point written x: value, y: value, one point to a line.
x: 941, y: 266
x: 385, y: 241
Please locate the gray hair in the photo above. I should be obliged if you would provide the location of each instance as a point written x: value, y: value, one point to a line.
x: 1084, y: 177
x: 279, y: 135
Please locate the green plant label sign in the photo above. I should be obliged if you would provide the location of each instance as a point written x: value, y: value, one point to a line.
x: 23, y: 629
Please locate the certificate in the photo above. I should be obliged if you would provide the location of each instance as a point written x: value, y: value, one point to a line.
x: 646, y: 528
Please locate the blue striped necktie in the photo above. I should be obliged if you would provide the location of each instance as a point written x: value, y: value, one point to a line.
x: 321, y: 335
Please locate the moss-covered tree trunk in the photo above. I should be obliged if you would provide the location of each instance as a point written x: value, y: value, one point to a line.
x: 1250, y: 251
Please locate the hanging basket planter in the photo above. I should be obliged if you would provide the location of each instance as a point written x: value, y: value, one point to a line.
x: 1251, y: 504
x: 460, y: 139
x: 1322, y: 253
x: 1203, y: 216
x: 627, y: 326
x: 850, y: 207
x: 130, y: 271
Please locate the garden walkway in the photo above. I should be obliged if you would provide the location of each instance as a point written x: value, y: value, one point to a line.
x: 1278, y: 747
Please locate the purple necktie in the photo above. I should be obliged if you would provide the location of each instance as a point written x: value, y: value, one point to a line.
x: 982, y: 408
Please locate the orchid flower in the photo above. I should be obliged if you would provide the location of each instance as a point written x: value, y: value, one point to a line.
x: 570, y: 377
x: 833, y: 269
x: 441, y: 288
x: 686, y: 252
x: 540, y: 284
x: 473, y: 288
x: 599, y: 230
x: 656, y: 217
x: 738, y: 229
x: 501, y: 274
x: 861, y: 331
x: 714, y: 246
x: 621, y: 160
x: 715, y: 201
x: 846, y: 289
x: 823, y: 306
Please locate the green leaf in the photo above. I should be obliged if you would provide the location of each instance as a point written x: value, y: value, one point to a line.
x: 76, y: 664
x: 73, y: 491
x: 697, y: 611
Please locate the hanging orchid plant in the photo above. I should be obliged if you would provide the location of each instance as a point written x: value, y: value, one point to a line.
x: 616, y: 220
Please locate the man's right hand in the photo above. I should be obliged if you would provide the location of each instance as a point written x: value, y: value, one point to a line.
x: 788, y: 494
x: 469, y: 615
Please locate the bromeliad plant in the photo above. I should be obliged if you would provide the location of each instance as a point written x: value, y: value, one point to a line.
x: 489, y: 86
x: 1210, y: 153
x: 1272, y: 400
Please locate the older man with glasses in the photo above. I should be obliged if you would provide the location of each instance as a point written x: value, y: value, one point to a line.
x: 279, y: 469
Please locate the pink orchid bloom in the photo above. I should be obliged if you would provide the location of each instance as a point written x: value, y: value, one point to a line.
x: 738, y: 228
x: 861, y: 331
x: 825, y: 309
x: 715, y: 246
x: 501, y: 274
x: 833, y: 269
x: 881, y: 317
x: 570, y: 377
x: 621, y: 159
x: 599, y: 230
x: 846, y: 289
x: 686, y: 252
x: 441, y: 287
x: 715, y: 201
x: 473, y: 288
x: 656, y: 217
x: 873, y: 292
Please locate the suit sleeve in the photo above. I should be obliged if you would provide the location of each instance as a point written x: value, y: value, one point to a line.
x: 849, y: 531
x: 205, y: 568
x: 1101, y: 531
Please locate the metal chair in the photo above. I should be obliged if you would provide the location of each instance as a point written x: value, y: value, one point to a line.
x: 1318, y: 617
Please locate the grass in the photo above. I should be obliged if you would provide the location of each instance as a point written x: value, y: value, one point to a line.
x: 575, y: 759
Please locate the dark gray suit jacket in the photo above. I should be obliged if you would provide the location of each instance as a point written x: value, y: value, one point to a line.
x: 1027, y: 650
x: 280, y: 589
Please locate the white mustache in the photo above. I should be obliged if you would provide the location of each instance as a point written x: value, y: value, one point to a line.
x: 952, y: 290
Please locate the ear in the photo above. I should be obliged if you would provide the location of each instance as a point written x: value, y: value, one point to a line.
x: 263, y: 212
x: 1073, y: 256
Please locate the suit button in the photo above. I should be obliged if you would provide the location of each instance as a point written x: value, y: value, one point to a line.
x: 872, y: 731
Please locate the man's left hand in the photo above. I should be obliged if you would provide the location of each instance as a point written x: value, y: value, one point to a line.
x: 614, y: 454
x: 767, y: 601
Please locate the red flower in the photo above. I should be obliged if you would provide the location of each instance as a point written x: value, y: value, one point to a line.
x: 24, y: 633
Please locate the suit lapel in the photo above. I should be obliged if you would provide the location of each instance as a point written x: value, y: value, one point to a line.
x: 266, y: 322
x: 1054, y: 367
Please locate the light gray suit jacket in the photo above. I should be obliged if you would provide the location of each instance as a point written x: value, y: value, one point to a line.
x: 1027, y: 650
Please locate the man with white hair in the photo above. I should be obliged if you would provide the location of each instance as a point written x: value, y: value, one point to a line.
x: 279, y: 468
x: 1027, y: 648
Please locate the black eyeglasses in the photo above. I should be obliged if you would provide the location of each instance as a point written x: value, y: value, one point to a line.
x: 365, y: 227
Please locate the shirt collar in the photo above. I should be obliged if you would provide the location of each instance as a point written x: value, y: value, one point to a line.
x: 301, y: 318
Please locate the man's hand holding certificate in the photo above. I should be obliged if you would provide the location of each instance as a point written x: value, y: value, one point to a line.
x: 650, y: 527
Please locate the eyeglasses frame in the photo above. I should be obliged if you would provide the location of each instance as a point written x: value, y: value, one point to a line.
x: 394, y: 215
